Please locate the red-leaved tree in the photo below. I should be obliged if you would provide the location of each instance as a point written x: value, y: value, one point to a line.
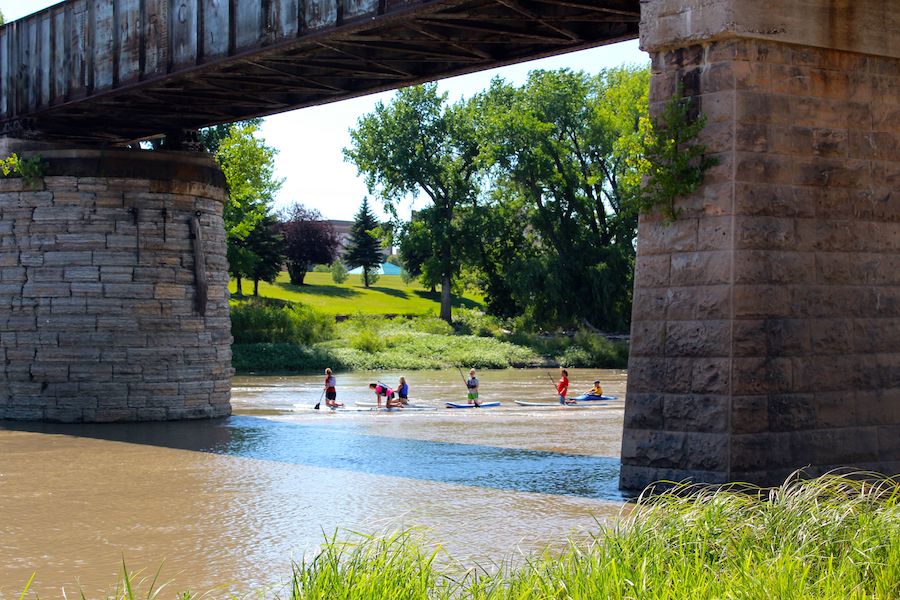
x: 309, y: 240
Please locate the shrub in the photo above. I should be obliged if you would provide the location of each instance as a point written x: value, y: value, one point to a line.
x: 603, y: 352
x: 574, y: 356
x: 368, y: 340
x: 321, y: 269
x: 469, y: 321
x: 431, y: 325
x: 339, y: 272
x: 272, y: 322
x: 281, y: 358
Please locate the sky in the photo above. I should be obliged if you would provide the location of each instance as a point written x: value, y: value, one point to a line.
x: 310, y: 141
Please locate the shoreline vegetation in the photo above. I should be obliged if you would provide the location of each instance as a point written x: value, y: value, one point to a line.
x: 395, y: 328
x: 835, y: 536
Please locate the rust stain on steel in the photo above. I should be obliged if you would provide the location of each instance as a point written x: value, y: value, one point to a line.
x: 113, y: 71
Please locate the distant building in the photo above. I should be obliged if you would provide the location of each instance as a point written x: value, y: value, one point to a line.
x: 342, y: 229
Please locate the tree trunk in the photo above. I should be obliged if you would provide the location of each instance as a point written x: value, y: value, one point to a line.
x: 240, y: 290
x: 256, y: 288
x: 365, y: 275
x: 297, y: 272
x: 445, y: 299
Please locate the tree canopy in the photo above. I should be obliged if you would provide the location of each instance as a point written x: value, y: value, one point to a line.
x: 419, y: 143
x: 564, y: 154
x: 533, y: 186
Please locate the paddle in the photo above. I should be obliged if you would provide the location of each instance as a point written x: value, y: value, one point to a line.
x: 316, y: 407
x: 466, y: 381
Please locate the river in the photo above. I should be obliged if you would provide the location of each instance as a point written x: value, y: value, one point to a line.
x: 228, y: 504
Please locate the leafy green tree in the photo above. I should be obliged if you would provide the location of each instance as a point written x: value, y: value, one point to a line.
x: 421, y: 144
x: 2, y: 18
x: 266, y: 243
x: 417, y: 249
x: 565, y: 156
x: 364, y: 247
x: 249, y: 166
x: 212, y: 137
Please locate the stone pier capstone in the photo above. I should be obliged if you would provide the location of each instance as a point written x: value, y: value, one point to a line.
x: 98, y: 320
x: 766, y: 320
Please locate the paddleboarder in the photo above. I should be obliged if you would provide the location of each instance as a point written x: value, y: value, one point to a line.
x: 472, y: 387
x: 331, y: 390
x: 563, y: 387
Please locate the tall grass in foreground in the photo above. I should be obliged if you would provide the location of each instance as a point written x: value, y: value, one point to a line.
x: 826, y: 538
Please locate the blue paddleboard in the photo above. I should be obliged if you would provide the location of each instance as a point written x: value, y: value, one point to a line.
x: 482, y: 405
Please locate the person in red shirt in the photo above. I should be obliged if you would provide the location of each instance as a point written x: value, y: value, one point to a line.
x: 563, y: 386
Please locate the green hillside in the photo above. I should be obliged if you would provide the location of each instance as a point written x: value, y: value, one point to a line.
x: 388, y: 296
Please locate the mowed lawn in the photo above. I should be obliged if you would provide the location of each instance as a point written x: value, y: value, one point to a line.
x: 389, y: 295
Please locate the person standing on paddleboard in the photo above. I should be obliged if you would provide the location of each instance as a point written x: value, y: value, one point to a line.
x: 563, y: 386
x: 472, y: 386
x: 331, y: 390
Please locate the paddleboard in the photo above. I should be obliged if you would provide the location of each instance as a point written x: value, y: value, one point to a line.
x: 593, y: 398
x: 482, y: 405
x: 375, y: 405
x: 550, y: 404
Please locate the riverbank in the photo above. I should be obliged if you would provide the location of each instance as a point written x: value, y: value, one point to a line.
x: 828, y: 538
x: 280, y: 337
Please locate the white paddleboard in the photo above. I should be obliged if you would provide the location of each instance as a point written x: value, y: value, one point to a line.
x: 375, y: 405
x: 550, y: 404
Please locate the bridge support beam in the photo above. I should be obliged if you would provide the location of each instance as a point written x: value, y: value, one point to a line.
x: 99, y: 277
x: 766, y: 323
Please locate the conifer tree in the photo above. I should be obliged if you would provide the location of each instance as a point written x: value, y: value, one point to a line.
x: 364, y: 248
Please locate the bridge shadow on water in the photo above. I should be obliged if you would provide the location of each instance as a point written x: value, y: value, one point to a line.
x: 347, y: 449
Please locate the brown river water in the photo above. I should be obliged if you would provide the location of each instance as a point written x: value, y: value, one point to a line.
x: 228, y: 504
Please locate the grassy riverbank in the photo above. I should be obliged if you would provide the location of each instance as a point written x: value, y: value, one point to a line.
x: 829, y: 538
x: 389, y: 295
x: 280, y: 337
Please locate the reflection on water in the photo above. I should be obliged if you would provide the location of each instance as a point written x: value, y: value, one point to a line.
x: 231, y: 501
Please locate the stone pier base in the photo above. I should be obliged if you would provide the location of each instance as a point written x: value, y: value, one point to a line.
x: 99, y: 315
x: 766, y: 323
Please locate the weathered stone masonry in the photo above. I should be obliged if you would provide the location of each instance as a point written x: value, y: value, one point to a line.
x: 98, y: 320
x: 766, y: 323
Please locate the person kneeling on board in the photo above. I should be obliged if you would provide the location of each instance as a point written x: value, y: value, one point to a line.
x: 331, y: 390
x: 390, y: 400
x: 403, y: 392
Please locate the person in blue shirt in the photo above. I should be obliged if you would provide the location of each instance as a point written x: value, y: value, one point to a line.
x: 403, y: 391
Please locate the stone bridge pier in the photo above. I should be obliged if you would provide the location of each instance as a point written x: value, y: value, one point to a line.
x: 113, y: 287
x: 766, y: 323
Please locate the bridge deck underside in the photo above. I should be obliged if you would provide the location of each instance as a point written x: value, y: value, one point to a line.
x: 417, y: 42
